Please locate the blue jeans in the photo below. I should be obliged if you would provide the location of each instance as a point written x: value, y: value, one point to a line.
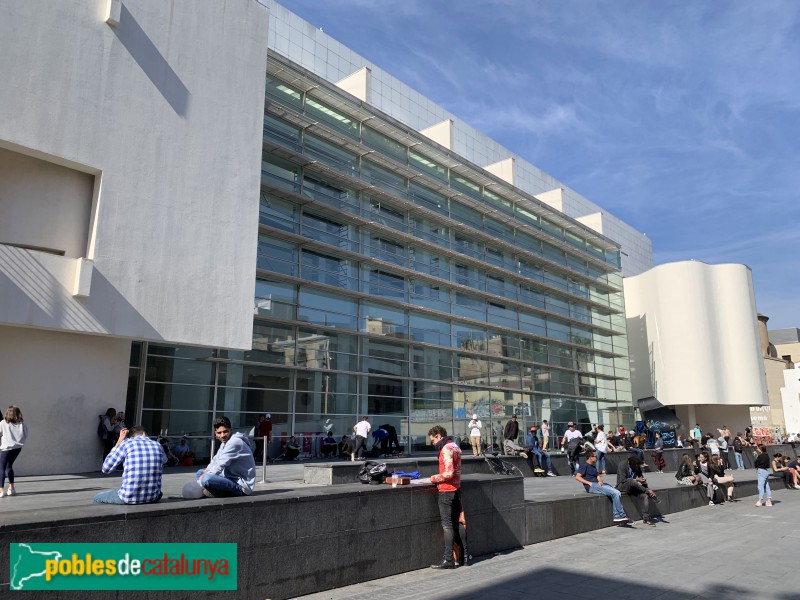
x: 614, y: 494
x: 220, y: 486
x: 109, y: 497
x: 543, y: 462
x: 601, y: 461
x: 739, y: 461
x: 763, y: 484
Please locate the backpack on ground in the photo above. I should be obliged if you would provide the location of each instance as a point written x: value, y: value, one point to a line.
x: 717, y: 494
x: 372, y: 473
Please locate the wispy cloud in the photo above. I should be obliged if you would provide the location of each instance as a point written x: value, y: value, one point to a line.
x: 681, y: 118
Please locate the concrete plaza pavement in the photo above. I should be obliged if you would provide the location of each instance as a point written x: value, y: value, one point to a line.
x: 733, y: 551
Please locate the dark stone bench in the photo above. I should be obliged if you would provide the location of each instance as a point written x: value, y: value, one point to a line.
x: 302, y: 541
x: 338, y: 473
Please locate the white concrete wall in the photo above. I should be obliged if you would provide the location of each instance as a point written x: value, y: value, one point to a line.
x: 693, y: 335
x: 790, y: 395
x: 61, y: 382
x: 44, y: 205
x: 167, y: 108
x: 713, y: 416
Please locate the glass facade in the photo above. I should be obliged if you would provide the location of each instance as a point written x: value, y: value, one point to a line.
x: 394, y: 279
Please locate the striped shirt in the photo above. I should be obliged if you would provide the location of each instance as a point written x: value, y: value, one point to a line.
x: 144, y: 463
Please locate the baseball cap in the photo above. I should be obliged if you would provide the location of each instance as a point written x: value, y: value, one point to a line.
x: 570, y: 424
x: 269, y: 416
x: 533, y: 428
x: 474, y: 416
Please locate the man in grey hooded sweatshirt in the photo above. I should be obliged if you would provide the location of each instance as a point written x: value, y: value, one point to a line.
x: 232, y: 471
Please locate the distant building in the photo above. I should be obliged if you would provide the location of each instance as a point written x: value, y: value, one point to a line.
x: 694, y: 342
x: 786, y: 343
x: 790, y: 398
x: 773, y: 414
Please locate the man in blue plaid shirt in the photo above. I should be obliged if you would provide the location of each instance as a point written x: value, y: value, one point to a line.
x: 141, y: 477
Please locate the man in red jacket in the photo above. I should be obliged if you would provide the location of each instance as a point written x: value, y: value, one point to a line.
x: 448, y: 484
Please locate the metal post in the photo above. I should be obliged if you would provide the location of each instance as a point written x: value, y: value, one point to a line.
x: 264, y: 459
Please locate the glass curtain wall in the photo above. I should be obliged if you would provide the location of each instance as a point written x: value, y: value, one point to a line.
x: 389, y: 285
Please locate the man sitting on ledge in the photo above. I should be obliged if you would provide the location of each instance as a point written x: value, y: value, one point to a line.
x: 631, y: 481
x: 346, y: 447
x: 328, y: 445
x: 587, y: 475
x: 141, y: 476
x: 232, y: 471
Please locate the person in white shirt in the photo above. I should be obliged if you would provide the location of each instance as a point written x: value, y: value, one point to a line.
x: 545, y: 429
x: 713, y: 446
x: 361, y: 429
x: 601, y: 446
x: 571, y: 443
x: 475, y: 427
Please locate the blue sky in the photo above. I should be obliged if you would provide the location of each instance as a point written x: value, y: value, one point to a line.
x: 681, y: 118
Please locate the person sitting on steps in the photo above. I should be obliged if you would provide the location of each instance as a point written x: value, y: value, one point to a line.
x: 631, y: 481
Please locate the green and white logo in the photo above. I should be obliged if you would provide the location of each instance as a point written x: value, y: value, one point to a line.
x: 122, y: 566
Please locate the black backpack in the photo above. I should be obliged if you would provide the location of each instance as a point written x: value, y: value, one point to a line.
x: 574, y: 446
x: 373, y: 473
x: 102, y: 432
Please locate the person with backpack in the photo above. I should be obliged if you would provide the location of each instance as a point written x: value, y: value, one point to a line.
x: 738, y: 444
x: 448, y: 486
x: 107, y: 430
x: 571, y: 444
x: 761, y: 463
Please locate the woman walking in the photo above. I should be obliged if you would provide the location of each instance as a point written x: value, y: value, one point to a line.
x: 761, y: 464
x: 13, y: 433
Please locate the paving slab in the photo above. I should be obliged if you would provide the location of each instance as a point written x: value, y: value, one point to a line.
x: 733, y: 551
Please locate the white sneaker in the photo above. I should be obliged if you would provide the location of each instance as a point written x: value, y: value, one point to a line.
x: 711, y: 503
x: 759, y: 503
x: 2, y: 493
x: 10, y: 492
x: 352, y: 457
x: 551, y: 474
x: 769, y: 502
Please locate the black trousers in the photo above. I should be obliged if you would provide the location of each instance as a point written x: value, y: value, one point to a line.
x: 638, y: 492
x: 361, y: 446
x: 7, y: 458
x: 449, y: 511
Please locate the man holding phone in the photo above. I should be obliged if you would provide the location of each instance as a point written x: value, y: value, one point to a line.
x: 141, y: 476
